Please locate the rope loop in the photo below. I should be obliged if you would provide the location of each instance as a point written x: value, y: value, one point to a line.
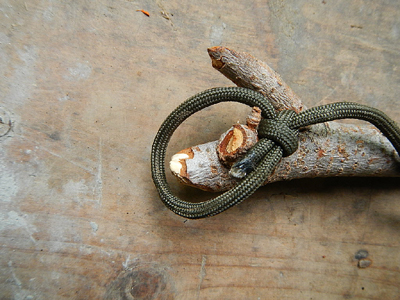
x: 278, y: 130
x: 278, y: 137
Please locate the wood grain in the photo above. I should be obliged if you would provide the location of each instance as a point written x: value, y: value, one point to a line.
x: 87, y: 84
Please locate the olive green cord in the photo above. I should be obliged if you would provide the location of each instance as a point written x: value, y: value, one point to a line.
x: 278, y: 137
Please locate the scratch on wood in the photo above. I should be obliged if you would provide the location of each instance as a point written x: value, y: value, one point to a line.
x: 323, y: 100
x: 126, y: 263
x: 98, y: 186
x: 16, y: 279
x: 202, y: 274
x: 62, y: 157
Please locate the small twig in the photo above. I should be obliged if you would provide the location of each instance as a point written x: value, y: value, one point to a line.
x: 326, y: 150
x: 144, y: 12
x: 247, y: 71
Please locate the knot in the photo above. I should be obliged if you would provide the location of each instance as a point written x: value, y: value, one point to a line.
x: 278, y: 131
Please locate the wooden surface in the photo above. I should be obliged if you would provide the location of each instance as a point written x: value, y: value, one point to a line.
x: 86, y: 84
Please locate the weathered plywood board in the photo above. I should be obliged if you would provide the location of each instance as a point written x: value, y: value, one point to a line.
x: 86, y: 85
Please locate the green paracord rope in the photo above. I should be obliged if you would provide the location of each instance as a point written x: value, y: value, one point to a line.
x: 278, y: 135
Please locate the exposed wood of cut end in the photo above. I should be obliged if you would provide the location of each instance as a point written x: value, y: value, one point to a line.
x: 200, y: 167
x: 247, y: 71
x: 235, y: 142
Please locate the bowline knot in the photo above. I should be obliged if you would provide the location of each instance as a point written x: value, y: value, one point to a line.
x: 278, y: 130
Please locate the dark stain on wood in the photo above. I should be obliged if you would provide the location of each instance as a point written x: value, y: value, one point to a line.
x: 145, y: 282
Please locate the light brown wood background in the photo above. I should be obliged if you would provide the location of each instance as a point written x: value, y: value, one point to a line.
x: 86, y: 84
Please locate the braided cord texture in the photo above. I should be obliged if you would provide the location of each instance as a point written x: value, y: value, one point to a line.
x: 279, y: 131
x: 349, y: 110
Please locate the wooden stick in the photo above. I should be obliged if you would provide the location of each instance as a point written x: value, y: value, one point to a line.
x: 325, y: 150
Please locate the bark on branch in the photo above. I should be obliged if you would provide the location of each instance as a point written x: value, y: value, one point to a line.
x: 325, y: 150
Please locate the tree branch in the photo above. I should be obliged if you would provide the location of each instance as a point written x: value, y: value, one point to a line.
x: 325, y: 150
